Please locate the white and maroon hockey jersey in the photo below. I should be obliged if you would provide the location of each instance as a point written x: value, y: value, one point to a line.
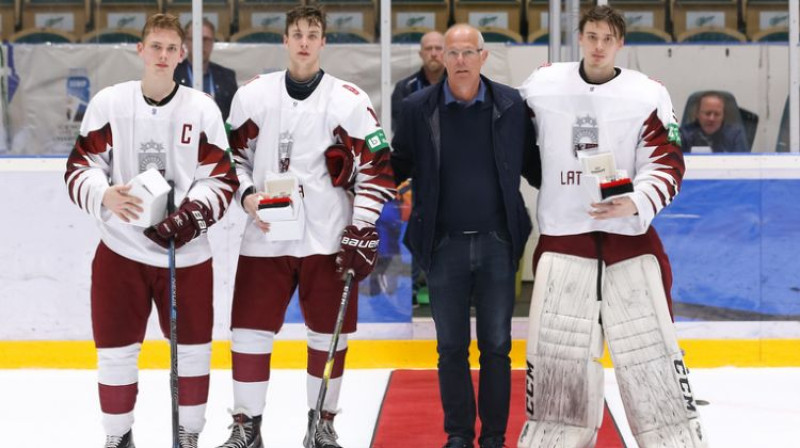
x: 122, y: 136
x: 263, y: 115
x: 630, y: 116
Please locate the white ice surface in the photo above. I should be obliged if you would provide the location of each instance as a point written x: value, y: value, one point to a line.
x: 44, y: 408
x: 748, y: 408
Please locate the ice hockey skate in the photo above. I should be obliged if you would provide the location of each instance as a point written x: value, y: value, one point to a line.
x: 124, y: 441
x: 245, y: 432
x: 325, y: 436
x: 187, y: 439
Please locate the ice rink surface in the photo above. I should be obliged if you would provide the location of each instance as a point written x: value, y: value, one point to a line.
x: 749, y: 407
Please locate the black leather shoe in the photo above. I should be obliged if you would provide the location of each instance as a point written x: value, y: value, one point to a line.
x: 457, y: 442
x: 498, y: 442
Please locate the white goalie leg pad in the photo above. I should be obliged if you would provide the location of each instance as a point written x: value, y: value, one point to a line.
x: 648, y: 363
x: 564, y: 381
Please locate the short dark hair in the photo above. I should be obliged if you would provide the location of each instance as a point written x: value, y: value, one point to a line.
x: 206, y: 22
x: 311, y: 13
x: 163, y: 22
x: 607, y: 14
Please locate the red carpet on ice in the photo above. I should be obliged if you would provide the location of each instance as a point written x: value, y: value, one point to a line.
x: 411, y: 414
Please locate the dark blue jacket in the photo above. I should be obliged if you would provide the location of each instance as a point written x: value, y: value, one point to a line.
x: 403, y: 89
x: 417, y: 147
x: 729, y: 138
x: 224, y: 83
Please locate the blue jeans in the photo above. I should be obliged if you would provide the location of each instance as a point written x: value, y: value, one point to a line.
x: 477, y: 269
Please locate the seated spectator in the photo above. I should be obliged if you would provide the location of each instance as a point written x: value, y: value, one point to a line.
x: 710, y: 131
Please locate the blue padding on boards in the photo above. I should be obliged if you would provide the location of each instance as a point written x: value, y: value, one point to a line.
x: 780, y: 246
x: 384, y: 296
x: 735, y: 249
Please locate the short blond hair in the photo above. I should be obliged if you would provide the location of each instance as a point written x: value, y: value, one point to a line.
x: 163, y: 22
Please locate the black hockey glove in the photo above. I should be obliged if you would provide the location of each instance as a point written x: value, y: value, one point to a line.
x: 358, y: 251
x: 191, y: 220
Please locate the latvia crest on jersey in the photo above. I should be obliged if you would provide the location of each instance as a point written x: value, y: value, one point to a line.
x: 585, y: 134
x: 152, y: 154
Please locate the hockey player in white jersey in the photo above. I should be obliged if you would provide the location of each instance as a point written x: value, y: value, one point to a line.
x: 130, y: 128
x: 313, y: 163
x: 611, y: 160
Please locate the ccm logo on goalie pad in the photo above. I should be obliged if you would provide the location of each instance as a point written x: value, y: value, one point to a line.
x: 680, y: 369
x: 529, y: 389
x: 352, y: 242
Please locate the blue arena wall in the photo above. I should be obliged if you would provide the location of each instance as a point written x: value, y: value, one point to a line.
x: 735, y: 248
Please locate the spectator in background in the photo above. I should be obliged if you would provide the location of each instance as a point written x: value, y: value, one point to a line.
x: 709, y: 129
x: 431, y: 51
x: 218, y: 81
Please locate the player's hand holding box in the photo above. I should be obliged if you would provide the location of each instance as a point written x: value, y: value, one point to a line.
x: 151, y: 187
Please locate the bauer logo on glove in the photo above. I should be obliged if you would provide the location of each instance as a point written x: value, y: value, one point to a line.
x: 190, y: 221
x: 358, y: 251
x: 361, y: 244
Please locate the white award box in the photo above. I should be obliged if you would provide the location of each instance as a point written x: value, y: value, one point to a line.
x: 151, y: 187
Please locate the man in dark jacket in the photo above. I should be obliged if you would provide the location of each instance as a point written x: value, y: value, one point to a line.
x: 431, y: 51
x: 218, y: 81
x: 465, y: 142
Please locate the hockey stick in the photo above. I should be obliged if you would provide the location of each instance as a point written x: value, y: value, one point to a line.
x: 173, y: 323
x: 313, y: 422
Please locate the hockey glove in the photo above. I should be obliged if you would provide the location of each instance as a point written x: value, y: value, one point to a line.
x: 191, y: 220
x: 358, y: 251
x: 339, y: 161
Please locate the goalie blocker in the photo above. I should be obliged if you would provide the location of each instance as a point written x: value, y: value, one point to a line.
x: 567, y: 326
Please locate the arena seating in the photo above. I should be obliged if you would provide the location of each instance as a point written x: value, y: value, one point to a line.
x: 649, y: 21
